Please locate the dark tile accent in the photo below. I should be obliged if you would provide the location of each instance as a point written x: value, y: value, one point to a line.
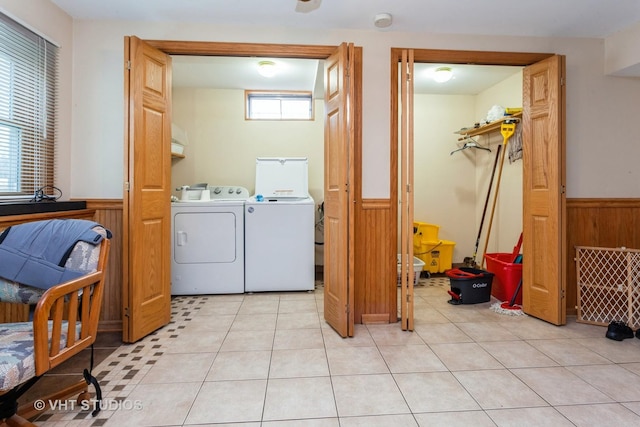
x: 132, y: 373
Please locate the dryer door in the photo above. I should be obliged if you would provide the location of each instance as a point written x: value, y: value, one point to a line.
x: 204, y: 237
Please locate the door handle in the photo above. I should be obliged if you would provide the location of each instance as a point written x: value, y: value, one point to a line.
x: 181, y: 238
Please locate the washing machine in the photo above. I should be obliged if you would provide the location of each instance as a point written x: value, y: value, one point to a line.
x: 280, y: 228
x: 207, y: 241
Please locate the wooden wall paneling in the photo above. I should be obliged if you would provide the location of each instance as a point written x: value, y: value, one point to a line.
x: 109, y: 214
x: 375, y: 282
x: 605, y: 223
x: 13, y: 312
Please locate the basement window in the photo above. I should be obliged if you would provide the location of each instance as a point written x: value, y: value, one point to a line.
x: 278, y: 105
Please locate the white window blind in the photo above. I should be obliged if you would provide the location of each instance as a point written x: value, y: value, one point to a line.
x: 28, y: 103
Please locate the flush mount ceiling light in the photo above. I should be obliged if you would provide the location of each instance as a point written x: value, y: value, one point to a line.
x: 382, y: 20
x: 442, y: 74
x: 267, y: 68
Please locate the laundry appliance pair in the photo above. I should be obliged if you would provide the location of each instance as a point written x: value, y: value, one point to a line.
x: 226, y: 242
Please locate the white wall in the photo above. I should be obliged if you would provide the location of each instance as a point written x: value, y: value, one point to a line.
x: 602, y: 143
x: 223, y: 146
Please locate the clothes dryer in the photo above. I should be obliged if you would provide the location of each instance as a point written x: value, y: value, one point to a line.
x: 207, y: 242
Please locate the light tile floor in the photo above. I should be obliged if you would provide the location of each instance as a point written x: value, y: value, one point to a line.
x: 271, y: 360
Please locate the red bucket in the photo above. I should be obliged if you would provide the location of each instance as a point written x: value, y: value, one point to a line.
x: 507, y: 276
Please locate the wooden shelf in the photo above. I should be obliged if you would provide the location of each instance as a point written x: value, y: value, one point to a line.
x: 177, y: 156
x: 490, y: 127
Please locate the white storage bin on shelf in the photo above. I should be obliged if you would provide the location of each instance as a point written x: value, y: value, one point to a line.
x: 178, y: 140
x: 418, y: 264
x: 608, y: 285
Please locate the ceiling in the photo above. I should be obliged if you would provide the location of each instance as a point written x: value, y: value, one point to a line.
x: 307, y: 75
x: 540, y: 18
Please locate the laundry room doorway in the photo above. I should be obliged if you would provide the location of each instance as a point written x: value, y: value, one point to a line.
x: 146, y: 296
x: 543, y: 176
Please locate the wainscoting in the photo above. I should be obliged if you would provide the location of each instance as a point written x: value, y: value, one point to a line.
x: 375, y: 294
x: 107, y: 213
x: 590, y: 222
x: 606, y: 223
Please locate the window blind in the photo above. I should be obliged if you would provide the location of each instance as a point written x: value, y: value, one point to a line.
x: 28, y: 103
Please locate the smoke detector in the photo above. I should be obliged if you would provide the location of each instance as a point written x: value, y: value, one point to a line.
x: 382, y: 20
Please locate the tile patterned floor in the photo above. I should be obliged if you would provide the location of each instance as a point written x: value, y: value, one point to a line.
x: 271, y: 360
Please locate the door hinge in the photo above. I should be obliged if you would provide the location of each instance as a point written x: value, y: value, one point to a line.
x: 561, y: 81
x: 127, y: 186
x: 563, y: 189
x: 126, y: 312
x: 563, y: 294
x: 128, y: 65
x: 348, y: 309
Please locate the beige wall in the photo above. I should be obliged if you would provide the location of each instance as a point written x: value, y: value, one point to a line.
x: 599, y: 108
x: 602, y: 143
x: 223, y: 146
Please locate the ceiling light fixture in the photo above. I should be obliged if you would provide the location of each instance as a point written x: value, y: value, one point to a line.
x: 267, y: 68
x: 443, y: 74
x: 382, y: 20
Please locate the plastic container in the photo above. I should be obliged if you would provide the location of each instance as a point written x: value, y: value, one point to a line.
x: 425, y: 232
x: 469, y: 285
x: 507, y: 276
x: 417, y: 268
x: 437, y: 255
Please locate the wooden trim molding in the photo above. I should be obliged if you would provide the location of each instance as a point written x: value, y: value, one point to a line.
x: 9, y: 220
x: 603, y: 203
x: 173, y: 47
x: 376, y: 204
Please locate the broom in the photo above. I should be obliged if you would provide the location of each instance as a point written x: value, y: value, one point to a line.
x: 507, y: 129
x: 471, y: 261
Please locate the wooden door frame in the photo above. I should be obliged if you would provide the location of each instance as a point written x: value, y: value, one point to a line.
x: 201, y: 48
x: 469, y: 57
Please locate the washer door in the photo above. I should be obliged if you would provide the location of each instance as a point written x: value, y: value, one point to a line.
x: 204, y: 237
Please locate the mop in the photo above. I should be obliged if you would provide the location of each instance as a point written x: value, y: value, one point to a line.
x: 509, y: 307
x: 507, y: 129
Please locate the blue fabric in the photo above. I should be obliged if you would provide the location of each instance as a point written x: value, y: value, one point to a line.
x: 34, y: 253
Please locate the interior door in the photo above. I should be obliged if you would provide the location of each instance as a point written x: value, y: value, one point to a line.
x: 544, y: 210
x: 406, y: 190
x: 147, y: 210
x: 338, y: 195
